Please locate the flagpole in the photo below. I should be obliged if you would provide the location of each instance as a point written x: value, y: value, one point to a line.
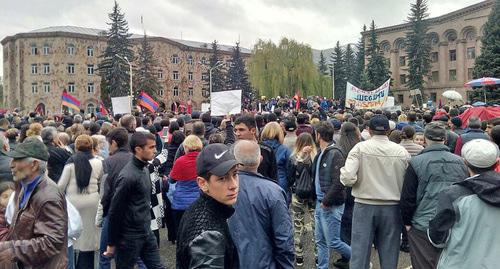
x: 333, y: 80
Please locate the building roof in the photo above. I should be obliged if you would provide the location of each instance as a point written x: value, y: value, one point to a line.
x: 436, y: 20
x: 99, y: 32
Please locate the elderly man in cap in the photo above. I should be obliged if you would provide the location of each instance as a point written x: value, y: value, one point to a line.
x: 468, y: 213
x: 429, y: 173
x: 38, y: 235
x: 375, y: 169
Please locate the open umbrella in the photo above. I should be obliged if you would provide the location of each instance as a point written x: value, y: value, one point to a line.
x: 482, y: 82
x: 452, y: 95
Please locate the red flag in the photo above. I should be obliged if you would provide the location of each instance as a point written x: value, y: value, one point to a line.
x: 297, y: 97
x: 103, y: 109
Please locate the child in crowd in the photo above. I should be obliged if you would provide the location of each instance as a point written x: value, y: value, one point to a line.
x: 419, y: 139
x: 6, y: 189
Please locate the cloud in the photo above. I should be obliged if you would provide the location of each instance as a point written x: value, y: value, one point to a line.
x: 319, y: 23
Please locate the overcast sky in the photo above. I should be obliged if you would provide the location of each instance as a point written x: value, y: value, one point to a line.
x: 319, y: 23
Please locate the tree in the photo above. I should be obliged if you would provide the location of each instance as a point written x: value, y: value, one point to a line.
x: 237, y: 77
x: 350, y: 64
x: 360, y: 60
x: 145, y: 78
x: 338, y: 68
x: 376, y: 70
x: 283, y: 69
x: 218, y: 70
x: 113, y: 70
x: 488, y: 63
x: 418, y: 47
x: 322, y: 66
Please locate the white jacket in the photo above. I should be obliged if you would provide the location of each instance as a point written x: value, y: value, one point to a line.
x: 375, y: 169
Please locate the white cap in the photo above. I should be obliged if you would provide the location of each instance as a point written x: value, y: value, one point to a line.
x: 392, y: 125
x: 480, y: 153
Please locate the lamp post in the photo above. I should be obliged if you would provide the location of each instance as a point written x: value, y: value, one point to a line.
x: 130, y: 66
x: 217, y: 65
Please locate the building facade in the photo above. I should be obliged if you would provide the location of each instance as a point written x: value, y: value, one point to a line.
x: 39, y: 65
x: 455, y: 43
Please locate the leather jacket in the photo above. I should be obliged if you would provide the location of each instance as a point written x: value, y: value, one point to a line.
x: 203, y: 239
x: 38, y: 236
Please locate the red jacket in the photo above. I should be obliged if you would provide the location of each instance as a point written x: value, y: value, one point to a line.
x: 185, y: 167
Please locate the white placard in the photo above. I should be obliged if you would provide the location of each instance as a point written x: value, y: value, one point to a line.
x: 226, y: 102
x: 389, y: 102
x: 121, y: 105
x: 205, y: 107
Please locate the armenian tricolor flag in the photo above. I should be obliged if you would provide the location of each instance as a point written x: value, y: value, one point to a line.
x: 102, y: 108
x: 70, y: 101
x: 147, y: 102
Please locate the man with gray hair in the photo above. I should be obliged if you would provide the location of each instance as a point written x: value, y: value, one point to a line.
x: 473, y: 132
x: 5, y: 174
x: 38, y: 234
x: 261, y: 226
x: 58, y: 156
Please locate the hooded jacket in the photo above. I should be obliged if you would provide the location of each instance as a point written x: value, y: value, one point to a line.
x: 466, y: 223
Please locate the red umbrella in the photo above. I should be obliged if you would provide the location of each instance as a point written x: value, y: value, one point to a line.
x: 484, y: 113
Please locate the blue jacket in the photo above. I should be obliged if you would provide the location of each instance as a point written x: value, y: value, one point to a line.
x: 186, y: 192
x: 282, y: 156
x: 261, y: 226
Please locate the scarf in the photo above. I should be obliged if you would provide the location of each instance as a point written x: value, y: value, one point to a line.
x: 83, y: 169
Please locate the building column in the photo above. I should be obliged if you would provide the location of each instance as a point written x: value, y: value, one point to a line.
x: 394, y: 65
x: 443, y: 62
x: 461, y: 65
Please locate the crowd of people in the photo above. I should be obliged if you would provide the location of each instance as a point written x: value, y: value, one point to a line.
x: 241, y: 191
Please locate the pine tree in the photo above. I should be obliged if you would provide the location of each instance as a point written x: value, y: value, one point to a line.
x: 418, y: 47
x: 360, y: 60
x: 488, y: 63
x: 145, y: 78
x: 237, y: 77
x: 377, y: 70
x: 218, y: 74
x: 322, y: 66
x: 350, y: 64
x: 338, y: 68
x: 114, y: 70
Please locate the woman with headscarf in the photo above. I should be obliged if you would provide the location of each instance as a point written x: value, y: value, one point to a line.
x: 80, y: 182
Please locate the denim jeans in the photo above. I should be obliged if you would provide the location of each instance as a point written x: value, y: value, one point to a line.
x: 327, y: 234
x: 104, y: 262
x: 71, y: 258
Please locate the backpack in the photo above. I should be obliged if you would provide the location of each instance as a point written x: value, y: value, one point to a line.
x: 268, y: 166
x: 304, y: 183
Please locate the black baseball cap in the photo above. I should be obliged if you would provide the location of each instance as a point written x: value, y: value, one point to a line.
x: 379, y: 123
x: 216, y: 159
x: 435, y: 131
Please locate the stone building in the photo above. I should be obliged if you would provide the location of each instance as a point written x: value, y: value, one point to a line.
x: 456, y: 42
x: 40, y: 64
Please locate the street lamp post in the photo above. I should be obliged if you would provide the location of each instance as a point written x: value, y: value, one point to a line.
x: 130, y: 66
x: 217, y: 65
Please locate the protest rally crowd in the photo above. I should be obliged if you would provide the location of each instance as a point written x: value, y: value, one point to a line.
x: 238, y: 191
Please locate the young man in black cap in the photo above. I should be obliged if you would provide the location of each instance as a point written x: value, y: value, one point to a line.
x: 203, y: 237
x: 375, y: 169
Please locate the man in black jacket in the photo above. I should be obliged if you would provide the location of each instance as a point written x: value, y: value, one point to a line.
x: 330, y: 195
x: 57, y: 155
x: 129, y: 231
x: 204, y: 240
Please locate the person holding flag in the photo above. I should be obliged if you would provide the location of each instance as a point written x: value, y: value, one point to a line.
x: 147, y: 102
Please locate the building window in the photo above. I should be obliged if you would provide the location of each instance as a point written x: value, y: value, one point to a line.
x: 470, y: 74
x: 453, y: 55
x: 71, y: 87
x: 91, y: 108
x: 433, y: 97
x: 204, y: 76
x: 451, y: 36
x: 161, y: 92
x: 470, y: 35
x: 90, y: 69
x: 90, y: 87
x: 434, y: 39
x: 435, y: 76
x: 434, y: 57
x: 90, y: 52
x: 160, y: 74
x: 190, y: 60
x: 71, y: 68
x: 34, y: 69
x: 176, y: 75
x: 190, y: 91
x: 46, y: 87
x: 46, y: 68
x: 402, y: 61
x: 400, y: 98
x: 471, y: 53
x: 176, y: 91
x: 402, y: 79
x: 175, y: 59
x: 453, y: 75
x: 190, y: 76
x: 34, y: 50
x: 46, y: 50
x: 34, y: 87
x: 203, y: 60
x: 71, y: 49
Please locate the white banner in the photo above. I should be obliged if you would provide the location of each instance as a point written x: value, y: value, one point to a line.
x: 121, y: 105
x: 361, y: 99
x: 226, y: 102
x: 205, y: 107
